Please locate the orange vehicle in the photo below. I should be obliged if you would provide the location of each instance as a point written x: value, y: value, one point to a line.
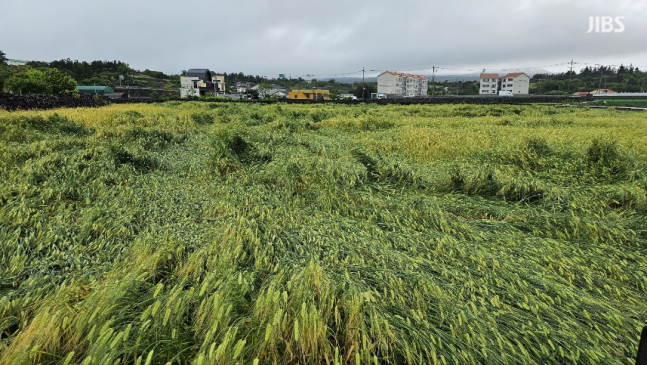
x: 309, y: 94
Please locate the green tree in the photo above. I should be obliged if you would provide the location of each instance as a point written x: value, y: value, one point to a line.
x: 29, y: 82
x: 361, y: 94
x: 59, y: 83
x: 252, y: 94
x: 3, y: 58
x: 263, y: 90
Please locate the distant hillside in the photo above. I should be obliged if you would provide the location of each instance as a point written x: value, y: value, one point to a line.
x: 101, y: 73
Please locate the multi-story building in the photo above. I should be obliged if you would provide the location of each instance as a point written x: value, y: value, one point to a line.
x: 516, y: 83
x: 199, y: 81
x: 390, y: 82
x: 489, y: 84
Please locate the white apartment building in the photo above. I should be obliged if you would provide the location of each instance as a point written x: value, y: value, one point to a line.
x: 517, y: 83
x: 390, y: 82
x: 489, y: 84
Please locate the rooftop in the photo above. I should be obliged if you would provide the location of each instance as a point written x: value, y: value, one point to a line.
x: 203, y: 73
x: 489, y: 76
x: 93, y: 87
x: 514, y: 74
x: 603, y: 91
x: 401, y: 74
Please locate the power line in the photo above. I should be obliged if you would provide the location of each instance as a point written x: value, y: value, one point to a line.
x: 434, y: 68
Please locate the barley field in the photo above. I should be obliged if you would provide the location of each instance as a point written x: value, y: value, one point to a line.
x: 195, y: 233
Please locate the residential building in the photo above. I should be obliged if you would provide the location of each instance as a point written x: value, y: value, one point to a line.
x: 274, y: 90
x: 517, y: 83
x: 17, y: 62
x: 602, y: 91
x: 390, y: 82
x: 219, y: 80
x: 200, y: 81
x: 490, y: 84
x: 309, y: 94
x: 242, y: 86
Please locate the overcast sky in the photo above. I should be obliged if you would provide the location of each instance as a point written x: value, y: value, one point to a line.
x: 324, y: 38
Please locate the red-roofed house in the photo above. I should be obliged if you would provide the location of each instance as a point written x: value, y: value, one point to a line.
x: 516, y: 82
x: 390, y: 82
x: 602, y: 91
x: 489, y: 84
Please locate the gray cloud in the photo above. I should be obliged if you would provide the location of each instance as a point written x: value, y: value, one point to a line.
x: 322, y: 38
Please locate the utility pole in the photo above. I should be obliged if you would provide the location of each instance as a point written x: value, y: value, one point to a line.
x: 433, y: 81
x: 363, y: 85
x: 600, y: 84
x: 570, y: 76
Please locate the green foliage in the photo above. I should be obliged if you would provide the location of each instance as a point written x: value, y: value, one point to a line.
x: 3, y: 58
x: 59, y: 83
x: 202, y: 118
x: 223, y: 233
x: 263, y: 90
x: 155, y: 74
x: 52, y: 81
x: 606, y: 159
x: 363, y: 91
x: 253, y: 94
x: 29, y: 82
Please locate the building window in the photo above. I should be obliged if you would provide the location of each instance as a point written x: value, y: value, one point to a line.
x: 486, y: 85
x: 486, y: 80
x: 509, y: 79
x: 509, y: 85
x: 493, y: 85
x: 493, y: 91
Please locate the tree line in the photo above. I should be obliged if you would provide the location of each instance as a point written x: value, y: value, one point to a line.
x: 618, y: 79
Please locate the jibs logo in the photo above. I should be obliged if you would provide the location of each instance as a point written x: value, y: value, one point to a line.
x: 604, y: 24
